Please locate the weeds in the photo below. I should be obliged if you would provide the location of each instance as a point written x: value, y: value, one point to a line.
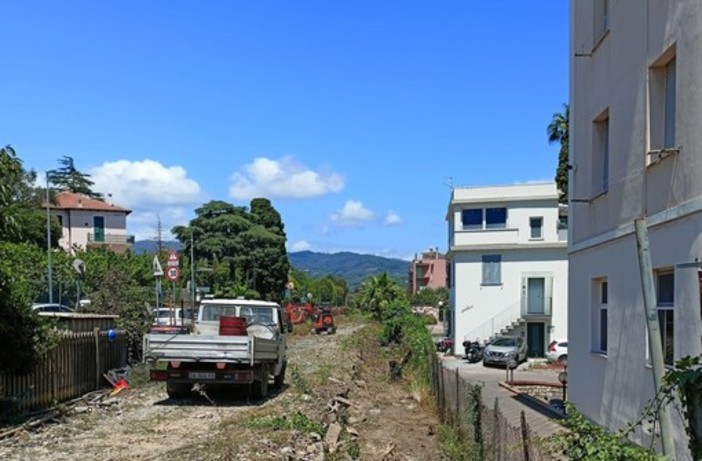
x: 298, y: 381
x: 454, y: 447
x: 298, y: 421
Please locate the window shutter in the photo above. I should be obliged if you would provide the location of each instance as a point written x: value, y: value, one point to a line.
x: 669, y: 135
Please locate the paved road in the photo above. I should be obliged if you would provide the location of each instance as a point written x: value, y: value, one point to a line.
x: 540, y: 422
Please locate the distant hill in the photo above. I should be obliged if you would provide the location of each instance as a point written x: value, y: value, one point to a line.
x: 151, y: 246
x: 352, y: 267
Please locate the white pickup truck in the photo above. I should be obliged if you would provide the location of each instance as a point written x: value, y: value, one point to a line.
x: 206, y: 357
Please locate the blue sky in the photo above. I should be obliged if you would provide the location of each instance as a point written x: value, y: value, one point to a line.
x: 349, y: 115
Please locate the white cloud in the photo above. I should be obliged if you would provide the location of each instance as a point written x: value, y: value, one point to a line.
x: 301, y: 245
x: 145, y: 183
x: 284, y: 178
x: 392, y: 219
x: 152, y: 191
x: 353, y: 213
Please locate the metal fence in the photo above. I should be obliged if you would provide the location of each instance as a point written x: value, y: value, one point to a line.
x: 72, y: 368
x: 490, y: 434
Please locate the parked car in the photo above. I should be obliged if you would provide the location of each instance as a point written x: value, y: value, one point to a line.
x: 557, y: 350
x: 502, y: 349
x: 50, y: 307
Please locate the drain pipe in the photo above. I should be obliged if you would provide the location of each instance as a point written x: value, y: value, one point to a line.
x: 654, y: 336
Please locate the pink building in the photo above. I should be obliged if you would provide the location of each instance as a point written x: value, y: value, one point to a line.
x: 427, y: 272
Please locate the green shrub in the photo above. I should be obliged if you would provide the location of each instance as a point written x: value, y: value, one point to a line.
x: 587, y: 441
x: 298, y: 421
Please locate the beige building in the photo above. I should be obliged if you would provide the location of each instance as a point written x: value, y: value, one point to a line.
x: 636, y: 151
x: 86, y: 222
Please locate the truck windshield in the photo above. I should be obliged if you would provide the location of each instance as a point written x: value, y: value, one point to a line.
x: 257, y: 314
x: 214, y: 312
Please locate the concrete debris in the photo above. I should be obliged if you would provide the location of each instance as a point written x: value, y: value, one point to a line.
x: 332, y: 437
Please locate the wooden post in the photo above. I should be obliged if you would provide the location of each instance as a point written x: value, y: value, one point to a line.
x: 496, y: 432
x: 525, y: 437
x: 458, y: 397
x: 96, y: 332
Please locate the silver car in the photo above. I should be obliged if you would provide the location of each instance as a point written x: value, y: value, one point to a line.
x: 503, y: 349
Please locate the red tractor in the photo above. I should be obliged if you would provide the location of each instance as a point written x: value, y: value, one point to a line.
x: 323, y: 320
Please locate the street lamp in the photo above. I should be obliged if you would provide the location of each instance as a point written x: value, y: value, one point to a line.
x: 48, y: 242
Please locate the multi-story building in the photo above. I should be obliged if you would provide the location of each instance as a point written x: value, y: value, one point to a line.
x: 508, y: 264
x: 429, y: 271
x: 86, y: 222
x: 636, y: 152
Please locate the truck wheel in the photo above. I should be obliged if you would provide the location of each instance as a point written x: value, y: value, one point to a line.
x: 279, y: 380
x: 330, y: 330
x: 178, y: 390
x: 259, y: 389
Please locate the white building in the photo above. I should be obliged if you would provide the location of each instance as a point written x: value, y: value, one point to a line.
x: 636, y: 151
x: 86, y: 222
x: 508, y: 264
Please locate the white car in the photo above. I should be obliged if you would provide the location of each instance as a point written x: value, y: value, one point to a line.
x: 557, y: 350
x: 50, y: 307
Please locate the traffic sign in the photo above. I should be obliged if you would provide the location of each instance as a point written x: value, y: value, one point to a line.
x: 173, y: 260
x: 158, y: 271
x: 173, y: 273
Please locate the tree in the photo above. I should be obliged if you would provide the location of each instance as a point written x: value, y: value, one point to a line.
x: 558, y: 132
x: 22, y: 218
x: 239, y: 246
x: 377, y: 294
x: 67, y: 177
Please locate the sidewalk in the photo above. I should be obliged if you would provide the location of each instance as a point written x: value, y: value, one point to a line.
x: 541, y: 422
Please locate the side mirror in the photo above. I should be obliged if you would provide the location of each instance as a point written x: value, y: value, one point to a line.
x: 289, y: 327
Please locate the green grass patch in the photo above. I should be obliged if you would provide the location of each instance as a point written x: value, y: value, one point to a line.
x: 453, y: 446
x: 297, y: 421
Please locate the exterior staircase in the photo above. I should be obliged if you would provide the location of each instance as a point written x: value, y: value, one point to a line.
x: 502, y: 323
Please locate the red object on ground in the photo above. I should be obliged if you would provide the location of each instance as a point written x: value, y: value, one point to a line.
x: 232, y: 326
x: 120, y: 385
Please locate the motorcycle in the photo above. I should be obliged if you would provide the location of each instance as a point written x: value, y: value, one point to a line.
x: 474, y: 351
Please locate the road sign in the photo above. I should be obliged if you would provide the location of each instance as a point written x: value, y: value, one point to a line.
x: 173, y: 273
x: 158, y: 271
x: 173, y: 260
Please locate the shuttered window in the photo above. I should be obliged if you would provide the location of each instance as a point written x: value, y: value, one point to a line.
x: 669, y: 134
x: 492, y: 271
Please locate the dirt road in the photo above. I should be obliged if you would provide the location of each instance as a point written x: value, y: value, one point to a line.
x: 334, y: 406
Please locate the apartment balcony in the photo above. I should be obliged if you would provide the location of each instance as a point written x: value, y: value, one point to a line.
x: 110, y: 239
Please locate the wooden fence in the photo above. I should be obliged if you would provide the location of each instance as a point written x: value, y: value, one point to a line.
x: 489, y: 434
x: 75, y: 366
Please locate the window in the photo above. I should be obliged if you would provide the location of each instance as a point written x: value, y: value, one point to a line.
x: 600, y: 315
x: 472, y: 218
x: 492, y: 274
x: 604, y: 296
x: 663, y: 103
x: 495, y: 218
x: 669, y: 110
x: 601, y: 20
x: 600, y: 154
x: 536, y: 225
x: 492, y: 218
x: 665, y: 294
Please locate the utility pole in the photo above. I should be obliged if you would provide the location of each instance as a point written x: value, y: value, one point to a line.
x: 192, y: 272
x: 159, y: 235
x: 654, y: 335
x: 48, y: 242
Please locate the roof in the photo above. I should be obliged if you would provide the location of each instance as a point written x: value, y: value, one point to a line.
x: 71, y: 201
x: 239, y: 302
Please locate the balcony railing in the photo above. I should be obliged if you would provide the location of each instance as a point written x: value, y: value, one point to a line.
x: 110, y: 239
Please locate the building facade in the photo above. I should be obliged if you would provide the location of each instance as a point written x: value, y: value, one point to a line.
x: 427, y: 271
x: 636, y: 152
x: 508, y: 264
x: 86, y: 222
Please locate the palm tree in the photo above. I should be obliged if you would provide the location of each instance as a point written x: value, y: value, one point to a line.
x: 378, y: 292
x: 558, y: 132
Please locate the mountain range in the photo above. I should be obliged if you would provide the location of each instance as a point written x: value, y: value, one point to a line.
x: 352, y: 267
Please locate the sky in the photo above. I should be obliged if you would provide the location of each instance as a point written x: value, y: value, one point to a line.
x: 355, y: 118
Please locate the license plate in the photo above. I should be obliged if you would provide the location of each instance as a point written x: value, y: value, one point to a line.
x: 201, y: 375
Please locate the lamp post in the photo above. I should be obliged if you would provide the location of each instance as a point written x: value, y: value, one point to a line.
x: 192, y: 272
x: 48, y: 242
x: 563, y: 378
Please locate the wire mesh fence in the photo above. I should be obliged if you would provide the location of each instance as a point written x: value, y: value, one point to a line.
x: 491, y: 435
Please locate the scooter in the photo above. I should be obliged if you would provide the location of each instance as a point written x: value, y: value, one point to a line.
x: 474, y: 351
